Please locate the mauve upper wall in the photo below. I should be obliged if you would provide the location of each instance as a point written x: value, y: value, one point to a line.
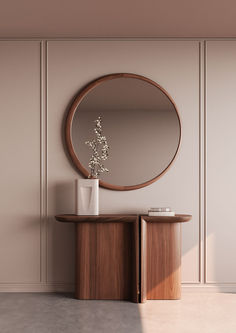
x: 112, y: 18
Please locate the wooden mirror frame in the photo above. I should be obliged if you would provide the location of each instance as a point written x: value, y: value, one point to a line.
x: 69, y: 120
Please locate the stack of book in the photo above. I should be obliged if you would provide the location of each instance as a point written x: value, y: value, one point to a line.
x: 161, y: 211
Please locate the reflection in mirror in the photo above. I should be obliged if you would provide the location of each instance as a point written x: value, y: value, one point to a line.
x: 141, y: 125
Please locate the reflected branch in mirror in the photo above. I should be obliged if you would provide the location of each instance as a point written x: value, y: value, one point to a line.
x: 100, y: 150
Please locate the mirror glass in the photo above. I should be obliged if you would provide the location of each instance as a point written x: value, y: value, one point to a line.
x: 141, y: 125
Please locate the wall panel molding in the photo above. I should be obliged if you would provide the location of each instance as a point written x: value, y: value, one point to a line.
x: 71, y: 65
x: 36, y: 287
x: 200, y: 279
x: 201, y: 162
x: 20, y: 142
x: 43, y: 184
x: 220, y: 181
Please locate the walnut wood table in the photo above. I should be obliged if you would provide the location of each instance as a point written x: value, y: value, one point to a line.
x: 127, y: 257
x: 107, y: 256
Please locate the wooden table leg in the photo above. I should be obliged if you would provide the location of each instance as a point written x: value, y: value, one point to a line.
x: 107, y: 261
x: 160, y: 260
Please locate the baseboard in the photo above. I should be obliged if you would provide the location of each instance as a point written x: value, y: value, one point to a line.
x: 209, y: 288
x: 67, y: 287
x: 37, y: 287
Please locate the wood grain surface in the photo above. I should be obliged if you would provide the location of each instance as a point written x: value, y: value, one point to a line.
x: 107, y: 261
x: 103, y: 218
x: 160, y: 260
x: 72, y: 218
x: 127, y: 257
x: 167, y: 219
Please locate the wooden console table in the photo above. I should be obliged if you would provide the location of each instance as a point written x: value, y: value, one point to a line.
x: 127, y: 257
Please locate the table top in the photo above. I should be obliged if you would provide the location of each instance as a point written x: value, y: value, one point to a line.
x: 104, y: 218
x: 177, y: 218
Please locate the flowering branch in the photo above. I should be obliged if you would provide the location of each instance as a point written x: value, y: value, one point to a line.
x: 95, y: 163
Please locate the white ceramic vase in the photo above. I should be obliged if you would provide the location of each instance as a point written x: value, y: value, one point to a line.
x: 87, y: 196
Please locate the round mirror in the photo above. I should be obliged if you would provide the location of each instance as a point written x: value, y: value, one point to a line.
x: 141, y: 125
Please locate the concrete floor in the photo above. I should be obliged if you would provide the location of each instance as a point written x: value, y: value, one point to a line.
x: 55, y: 313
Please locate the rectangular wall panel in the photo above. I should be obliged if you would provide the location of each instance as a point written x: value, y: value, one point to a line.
x: 71, y: 65
x: 172, y: 64
x: 221, y: 161
x: 20, y: 161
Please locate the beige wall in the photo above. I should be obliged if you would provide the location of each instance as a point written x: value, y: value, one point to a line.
x: 221, y: 162
x: 37, y: 179
x: 20, y: 162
